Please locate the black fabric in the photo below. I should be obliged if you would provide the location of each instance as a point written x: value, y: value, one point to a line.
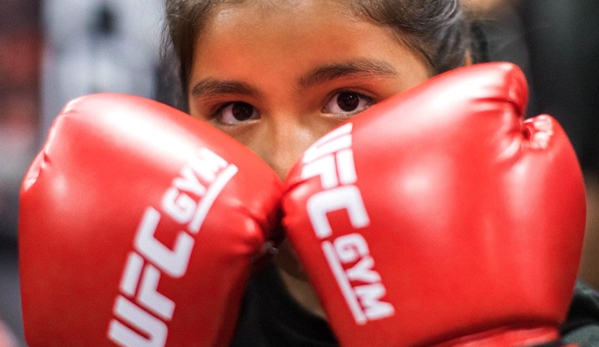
x: 271, y: 318
x: 582, y: 324
x: 551, y: 344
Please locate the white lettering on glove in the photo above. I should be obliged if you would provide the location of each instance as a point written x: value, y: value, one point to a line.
x: 331, y: 158
x: 140, y: 305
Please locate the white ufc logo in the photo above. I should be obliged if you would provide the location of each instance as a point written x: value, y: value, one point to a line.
x: 332, y: 160
x: 187, y: 202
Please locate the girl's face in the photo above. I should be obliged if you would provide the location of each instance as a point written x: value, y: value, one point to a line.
x: 279, y: 76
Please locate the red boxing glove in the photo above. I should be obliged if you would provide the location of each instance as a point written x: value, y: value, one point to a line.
x: 138, y: 227
x: 440, y: 217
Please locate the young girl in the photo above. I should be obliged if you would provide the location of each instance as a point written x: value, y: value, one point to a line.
x: 278, y: 74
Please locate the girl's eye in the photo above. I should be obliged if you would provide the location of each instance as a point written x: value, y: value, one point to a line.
x: 347, y: 103
x: 237, y: 112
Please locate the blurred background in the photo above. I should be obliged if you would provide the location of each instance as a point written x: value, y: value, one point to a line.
x: 52, y: 51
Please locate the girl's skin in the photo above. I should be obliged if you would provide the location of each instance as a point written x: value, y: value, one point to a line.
x: 278, y: 75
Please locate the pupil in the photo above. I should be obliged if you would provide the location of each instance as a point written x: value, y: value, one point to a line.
x: 348, y: 101
x: 242, y: 111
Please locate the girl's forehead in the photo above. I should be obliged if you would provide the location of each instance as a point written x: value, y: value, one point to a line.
x: 273, y: 46
x: 285, y: 23
x: 312, y: 27
x: 294, y: 10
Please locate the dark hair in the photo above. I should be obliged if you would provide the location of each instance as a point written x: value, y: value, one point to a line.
x: 437, y: 29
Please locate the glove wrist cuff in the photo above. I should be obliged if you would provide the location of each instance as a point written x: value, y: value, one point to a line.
x: 510, y: 337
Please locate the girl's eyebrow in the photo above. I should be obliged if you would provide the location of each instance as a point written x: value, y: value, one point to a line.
x: 366, y: 67
x: 209, y: 87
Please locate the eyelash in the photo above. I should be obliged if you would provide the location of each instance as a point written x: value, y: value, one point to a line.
x: 217, y: 114
x: 371, y: 101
